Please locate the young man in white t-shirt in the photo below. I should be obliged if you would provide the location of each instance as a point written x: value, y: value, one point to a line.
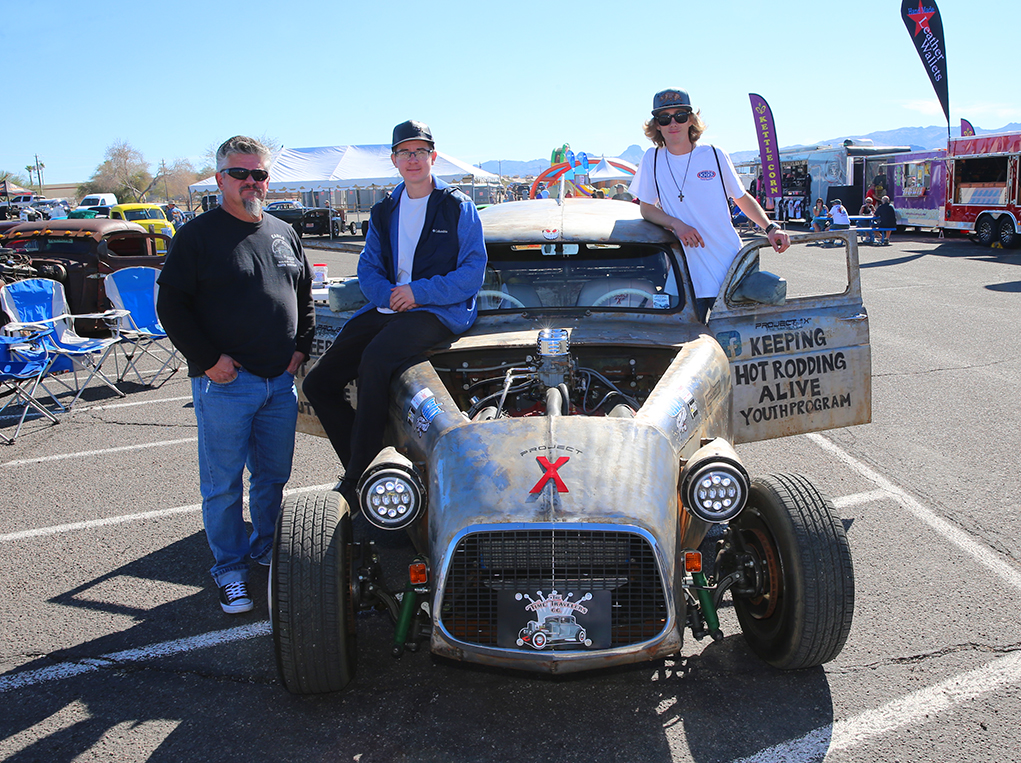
x: 686, y: 188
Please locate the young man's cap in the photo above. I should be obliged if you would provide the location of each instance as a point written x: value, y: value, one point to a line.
x: 673, y: 98
x: 411, y: 130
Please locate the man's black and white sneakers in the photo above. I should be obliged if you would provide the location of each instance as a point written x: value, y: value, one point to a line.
x: 234, y: 598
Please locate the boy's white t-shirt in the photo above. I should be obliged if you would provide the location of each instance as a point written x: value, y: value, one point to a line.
x: 706, y: 207
x: 410, y: 221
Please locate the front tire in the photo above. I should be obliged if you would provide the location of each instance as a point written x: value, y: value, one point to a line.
x: 800, y: 616
x: 310, y: 603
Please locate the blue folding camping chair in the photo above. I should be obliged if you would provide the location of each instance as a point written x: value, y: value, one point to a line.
x: 133, y: 291
x: 23, y: 364
x: 39, y: 304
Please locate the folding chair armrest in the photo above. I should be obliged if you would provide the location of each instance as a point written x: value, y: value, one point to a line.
x: 108, y: 315
x: 39, y: 327
x: 26, y: 343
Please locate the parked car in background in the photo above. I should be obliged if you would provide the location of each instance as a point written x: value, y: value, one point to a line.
x: 78, y: 253
x: 320, y: 220
x: 149, y: 216
x: 52, y: 209
x: 11, y: 210
x: 98, y: 200
x: 290, y: 211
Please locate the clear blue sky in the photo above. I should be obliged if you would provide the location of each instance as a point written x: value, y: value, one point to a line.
x: 503, y: 80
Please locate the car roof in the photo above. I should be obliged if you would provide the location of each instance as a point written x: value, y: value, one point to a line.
x: 97, y: 228
x: 133, y: 205
x: 581, y: 220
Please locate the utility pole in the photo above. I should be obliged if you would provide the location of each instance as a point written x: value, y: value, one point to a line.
x: 163, y: 171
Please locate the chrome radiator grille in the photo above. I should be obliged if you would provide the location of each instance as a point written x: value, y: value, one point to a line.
x: 568, y: 560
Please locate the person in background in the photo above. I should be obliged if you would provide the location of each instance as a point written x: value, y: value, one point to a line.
x: 886, y: 217
x: 685, y: 187
x: 236, y: 299
x: 820, y: 216
x: 421, y: 271
x: 174, y: 214
x: 621, y: 193
x: 868, y: 209
x: 541, y: 192
x: 838, y: 214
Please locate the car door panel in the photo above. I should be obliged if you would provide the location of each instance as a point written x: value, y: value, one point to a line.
x: 804, y: 365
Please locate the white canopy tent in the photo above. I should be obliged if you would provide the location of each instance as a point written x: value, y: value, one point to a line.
x: 605, y: 172
x: 341, y: 167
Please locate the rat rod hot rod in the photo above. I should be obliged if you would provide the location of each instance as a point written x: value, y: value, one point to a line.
x: 560, y: 465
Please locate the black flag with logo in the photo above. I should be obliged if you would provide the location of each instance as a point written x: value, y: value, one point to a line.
x: 921, y: 17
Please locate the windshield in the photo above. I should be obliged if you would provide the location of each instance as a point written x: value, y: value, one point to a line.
x: 144, y: 214
x: 46, y: 245
x: 595, y: 276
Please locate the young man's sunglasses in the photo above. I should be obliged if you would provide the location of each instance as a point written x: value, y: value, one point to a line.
x: 680, y: 118
x: 240, y: 173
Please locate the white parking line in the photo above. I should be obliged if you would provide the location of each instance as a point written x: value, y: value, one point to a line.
x: 137, y: 402
x: 112, y: 660
x: 925, y: 703
x: 35, y: 414
x: 983, y: 554
x: 83, y: 453
x: 93, y: 523
x: 857, y: 499
x: 919, y: 706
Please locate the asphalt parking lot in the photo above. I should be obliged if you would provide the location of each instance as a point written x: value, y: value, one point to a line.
x: 115, y: 646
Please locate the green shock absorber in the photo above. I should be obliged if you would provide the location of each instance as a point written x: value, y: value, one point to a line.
x: 404, y: 619
x: 705, y: 600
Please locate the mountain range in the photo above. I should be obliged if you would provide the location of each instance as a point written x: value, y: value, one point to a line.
x: 918, y: 138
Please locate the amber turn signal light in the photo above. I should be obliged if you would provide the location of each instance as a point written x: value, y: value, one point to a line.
x: 692, y: 561
x: 418, y: 573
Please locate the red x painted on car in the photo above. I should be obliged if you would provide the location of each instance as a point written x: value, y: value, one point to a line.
x: 551, y: 474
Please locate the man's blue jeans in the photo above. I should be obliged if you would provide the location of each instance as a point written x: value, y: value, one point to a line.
x: 249, y: 421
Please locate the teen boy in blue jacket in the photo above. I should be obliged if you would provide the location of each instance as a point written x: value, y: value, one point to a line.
x: 421, y: 270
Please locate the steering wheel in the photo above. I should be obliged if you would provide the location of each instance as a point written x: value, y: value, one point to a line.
x: 618, y: 292
x: 501, y: 295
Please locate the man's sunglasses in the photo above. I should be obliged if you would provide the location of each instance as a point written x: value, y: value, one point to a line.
x: 240, y: 173
x: 680, y: 118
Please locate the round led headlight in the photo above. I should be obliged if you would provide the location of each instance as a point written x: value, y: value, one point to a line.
x: 715, y: 491
x: 390, y: 492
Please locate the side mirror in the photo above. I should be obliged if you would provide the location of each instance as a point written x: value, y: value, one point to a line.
x: 761, y: 287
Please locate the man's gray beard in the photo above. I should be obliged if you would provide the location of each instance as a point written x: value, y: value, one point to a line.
x: 253, y: 205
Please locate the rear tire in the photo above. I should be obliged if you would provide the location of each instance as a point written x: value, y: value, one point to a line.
x: 310, y: 601
x: 1006, y: 233
x: 802, y: 614
x: 985, y: 230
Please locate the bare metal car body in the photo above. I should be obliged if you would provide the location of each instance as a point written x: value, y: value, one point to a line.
x: 562, y: 450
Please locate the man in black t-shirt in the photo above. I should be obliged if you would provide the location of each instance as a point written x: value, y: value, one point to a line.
x: 236, y: 300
